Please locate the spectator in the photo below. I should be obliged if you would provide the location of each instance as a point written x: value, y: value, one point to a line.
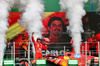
x: 8, y: 48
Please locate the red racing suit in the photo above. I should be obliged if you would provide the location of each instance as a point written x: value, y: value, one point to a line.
x: 98, y: 37
x: 92, y: 42
x: 92, y: 45
x: 38, y: 49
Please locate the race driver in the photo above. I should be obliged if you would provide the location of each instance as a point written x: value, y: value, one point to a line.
x: 39, y: 47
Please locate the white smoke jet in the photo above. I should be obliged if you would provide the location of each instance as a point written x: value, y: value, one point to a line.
x: 4, y: 12
x: 74, y: 13
x: 20, y: 4
x: 31, y: 18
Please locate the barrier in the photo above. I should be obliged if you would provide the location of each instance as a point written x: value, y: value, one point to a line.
x: 15, y: 52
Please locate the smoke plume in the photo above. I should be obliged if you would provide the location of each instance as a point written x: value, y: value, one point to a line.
x: 31, y: 18
x: 75, y: 11
x: 4, y: 12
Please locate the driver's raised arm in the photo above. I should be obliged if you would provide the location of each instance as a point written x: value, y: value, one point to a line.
x: 33, y: 38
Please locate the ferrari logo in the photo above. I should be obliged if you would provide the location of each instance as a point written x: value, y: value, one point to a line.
x: 38, y: 45
x: 66, y: 57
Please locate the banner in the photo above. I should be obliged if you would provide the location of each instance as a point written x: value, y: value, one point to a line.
x: 55, y: 24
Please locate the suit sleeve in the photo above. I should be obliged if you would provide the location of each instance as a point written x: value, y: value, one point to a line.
x: 33, y: 40
x: 96, y: 40
x: 20, y: 43
x: 71, y: 42
x: 44, y: 47
x: 89, y: 41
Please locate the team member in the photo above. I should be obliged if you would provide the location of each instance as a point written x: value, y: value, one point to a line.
x: 38, y: 47
x: 23, y: 44
x: 92, y: 44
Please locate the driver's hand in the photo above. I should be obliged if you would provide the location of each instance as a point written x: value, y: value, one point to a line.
x: 45, y: 45
x: 32, y: 33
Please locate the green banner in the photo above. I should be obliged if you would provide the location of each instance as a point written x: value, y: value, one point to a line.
x: 53, y: 6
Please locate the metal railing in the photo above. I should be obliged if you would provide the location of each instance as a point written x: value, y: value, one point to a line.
x: 15, y: 52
